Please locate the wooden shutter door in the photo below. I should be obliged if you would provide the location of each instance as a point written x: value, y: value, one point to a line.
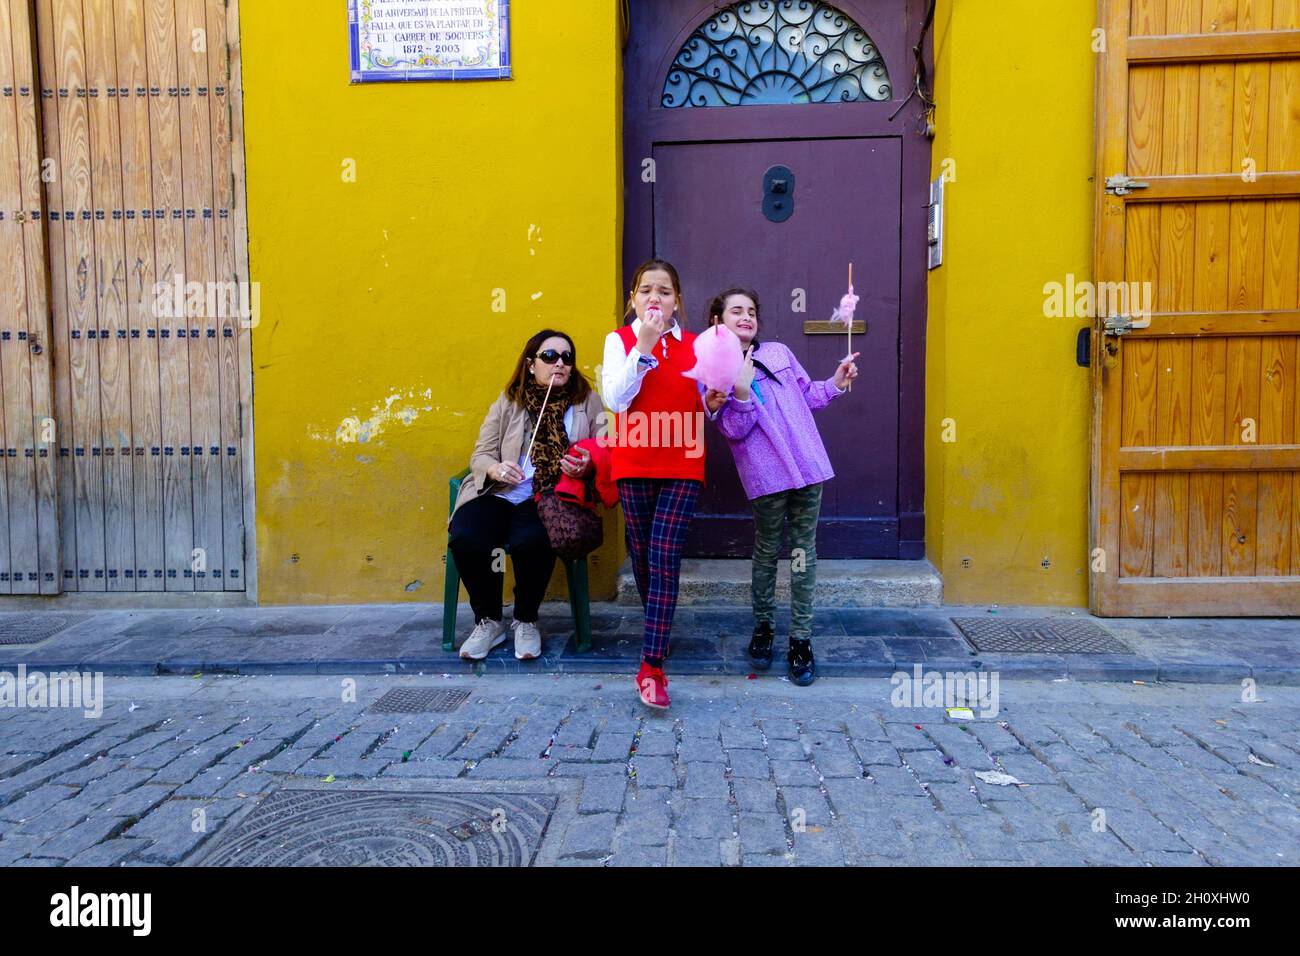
x: 1196, y: 467
x: 29, y: 533
x: 141, y: 121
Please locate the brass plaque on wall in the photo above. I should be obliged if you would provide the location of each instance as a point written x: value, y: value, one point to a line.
x: 833, y: 328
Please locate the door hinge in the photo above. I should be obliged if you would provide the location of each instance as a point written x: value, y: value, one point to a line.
x: 1121, y: 185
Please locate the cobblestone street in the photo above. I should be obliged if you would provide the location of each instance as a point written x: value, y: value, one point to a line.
x: 738, y: 772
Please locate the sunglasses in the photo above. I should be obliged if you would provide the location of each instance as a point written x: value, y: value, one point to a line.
x: 550, y: 356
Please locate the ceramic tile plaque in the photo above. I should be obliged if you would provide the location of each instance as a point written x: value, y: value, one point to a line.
x: 405, y: 40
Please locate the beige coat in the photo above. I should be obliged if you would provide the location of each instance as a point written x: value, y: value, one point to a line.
x: 504, y: 437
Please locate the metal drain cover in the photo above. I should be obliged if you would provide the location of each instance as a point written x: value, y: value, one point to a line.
x: 32, y: 628
x: 1038, y: 635
x: 418, y: 700
x: 373, y: 828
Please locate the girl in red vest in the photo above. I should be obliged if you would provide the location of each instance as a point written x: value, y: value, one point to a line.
x: 658, y: 452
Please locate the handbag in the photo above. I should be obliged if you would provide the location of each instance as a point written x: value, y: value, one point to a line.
x: 574, y: 531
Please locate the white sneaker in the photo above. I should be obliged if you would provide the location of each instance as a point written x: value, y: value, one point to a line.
x: 528, y: 641
x: 486, y: 636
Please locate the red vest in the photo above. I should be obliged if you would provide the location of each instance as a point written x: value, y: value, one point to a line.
x: 648, y: 443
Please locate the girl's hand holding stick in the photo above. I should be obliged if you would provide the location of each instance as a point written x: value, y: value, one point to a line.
x: 844, y: 313
x: 746, y: 377
x: 847, y: 372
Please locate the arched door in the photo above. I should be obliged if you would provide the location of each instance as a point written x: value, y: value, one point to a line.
x: 715, y: 96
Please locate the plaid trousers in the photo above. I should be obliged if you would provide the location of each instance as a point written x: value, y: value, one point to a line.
x: 657, y: 513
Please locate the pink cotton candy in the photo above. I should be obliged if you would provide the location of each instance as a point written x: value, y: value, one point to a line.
x: 848, y: 305
x: 718, y: 358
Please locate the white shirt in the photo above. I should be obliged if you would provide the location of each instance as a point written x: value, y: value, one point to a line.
x: 620, y: 374
x: 524, y: 490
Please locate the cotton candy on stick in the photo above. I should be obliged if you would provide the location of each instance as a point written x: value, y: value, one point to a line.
x: 718, y: 358
x: 845, y: 311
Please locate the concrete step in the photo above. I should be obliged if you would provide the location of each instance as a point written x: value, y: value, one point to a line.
x: 839, y: 583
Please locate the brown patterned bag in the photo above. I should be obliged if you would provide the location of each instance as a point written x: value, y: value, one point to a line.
x: 574, y: 531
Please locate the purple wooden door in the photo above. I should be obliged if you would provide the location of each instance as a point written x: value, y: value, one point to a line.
x: 860, y: 191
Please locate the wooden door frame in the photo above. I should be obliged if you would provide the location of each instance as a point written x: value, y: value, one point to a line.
x: 1111, y: 152
x: 643, y: 128
x: 239, y: 196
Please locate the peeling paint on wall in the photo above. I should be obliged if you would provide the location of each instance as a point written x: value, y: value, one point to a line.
x: 396, y: 408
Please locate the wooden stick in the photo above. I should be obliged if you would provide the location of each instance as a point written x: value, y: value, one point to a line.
x: 850, y: 320
x: 540, y: 414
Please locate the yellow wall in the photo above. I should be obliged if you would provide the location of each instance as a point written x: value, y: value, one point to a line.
x: 1014, y: 85
x: 376, y: 295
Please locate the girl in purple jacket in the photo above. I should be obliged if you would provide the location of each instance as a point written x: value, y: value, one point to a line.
x: 767, y: 420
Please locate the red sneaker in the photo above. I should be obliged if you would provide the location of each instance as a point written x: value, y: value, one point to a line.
x: 653, y: 686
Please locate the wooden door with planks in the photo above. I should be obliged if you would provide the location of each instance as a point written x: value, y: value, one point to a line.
x: 141, y: 120
x: 29, y: 528
x: 1196, y: 461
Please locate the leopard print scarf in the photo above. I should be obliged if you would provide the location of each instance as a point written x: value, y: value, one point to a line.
x: 552, y: 440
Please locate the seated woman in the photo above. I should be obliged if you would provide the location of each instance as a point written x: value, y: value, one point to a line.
x: 495, y: 509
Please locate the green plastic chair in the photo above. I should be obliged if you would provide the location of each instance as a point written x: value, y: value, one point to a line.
x: 575, y: 570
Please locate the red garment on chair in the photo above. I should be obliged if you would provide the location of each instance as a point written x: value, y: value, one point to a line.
x: 575, y: 489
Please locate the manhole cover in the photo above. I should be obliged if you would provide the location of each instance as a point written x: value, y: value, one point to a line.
x: 416, y: 700
x: 32, y: 628
x: 1038, y: 635
x: 371, y: 828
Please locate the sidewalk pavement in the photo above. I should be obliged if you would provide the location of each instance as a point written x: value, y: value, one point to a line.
x: 407, y: 638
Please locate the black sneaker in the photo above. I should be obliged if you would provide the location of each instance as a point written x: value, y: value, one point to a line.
x: 760, y: 647
x: 803, y: 667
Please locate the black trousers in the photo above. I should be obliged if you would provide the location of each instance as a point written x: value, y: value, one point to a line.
x: 478, y: 531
